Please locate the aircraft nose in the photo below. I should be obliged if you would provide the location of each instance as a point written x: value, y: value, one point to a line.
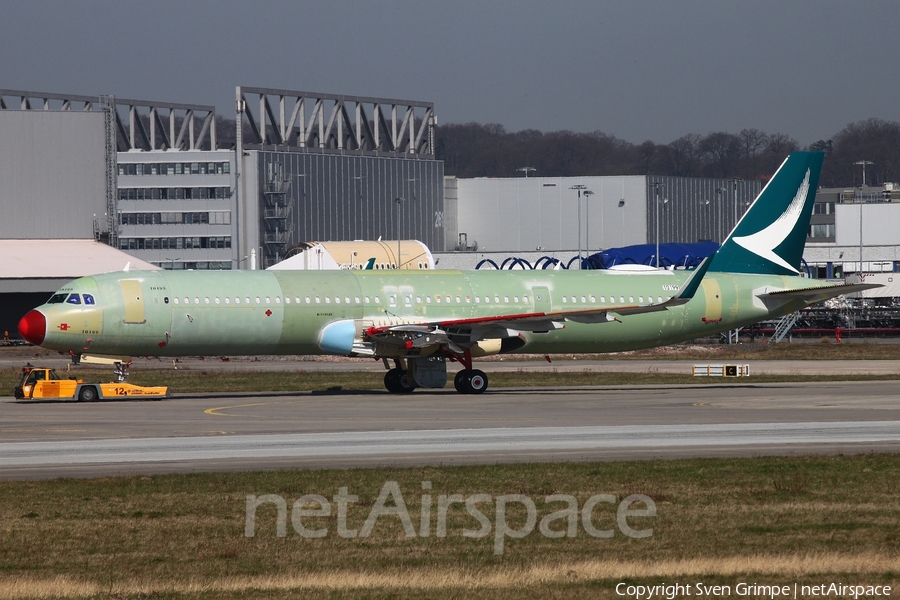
x: 33, y: 327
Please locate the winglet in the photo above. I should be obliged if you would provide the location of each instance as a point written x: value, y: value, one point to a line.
x: 692, y: 284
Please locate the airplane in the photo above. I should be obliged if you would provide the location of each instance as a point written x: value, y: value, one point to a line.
x: 417, y: 321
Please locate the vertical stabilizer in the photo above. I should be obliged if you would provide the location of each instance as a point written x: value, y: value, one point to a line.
x: 770, y: 237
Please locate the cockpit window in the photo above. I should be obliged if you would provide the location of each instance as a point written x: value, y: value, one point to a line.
x: 88, y: 299
x: 74, y: 299
x: 57, y: 299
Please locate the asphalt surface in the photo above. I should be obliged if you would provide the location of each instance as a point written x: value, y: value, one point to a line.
x: 215, y: 432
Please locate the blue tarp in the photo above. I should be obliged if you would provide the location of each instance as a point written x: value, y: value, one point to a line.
x: 679, y: 255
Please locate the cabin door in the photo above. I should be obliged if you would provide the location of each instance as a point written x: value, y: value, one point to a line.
x: 133, y: 297
x: 541, y: 299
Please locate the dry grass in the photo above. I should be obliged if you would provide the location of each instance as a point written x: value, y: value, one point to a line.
x: 779, y: 520
x: 493, y: 581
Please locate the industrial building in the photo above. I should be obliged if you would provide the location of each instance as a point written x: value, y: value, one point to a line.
x: 330, y: 167
x: 591, y: 213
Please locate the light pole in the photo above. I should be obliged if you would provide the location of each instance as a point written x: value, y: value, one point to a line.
x: 398, y: 200
x: 656, y: 187
x: 587, y: 219
x: 526, y: 170
x: 734, y: 183
x: 579, y: 187
x: 863, y: 163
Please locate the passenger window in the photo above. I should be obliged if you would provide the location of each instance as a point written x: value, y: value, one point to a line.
x: 74, y: 299
x: 368, y: 299
x: 318, y: 300
x: 237, y: 299
x: 337, y: 300
x: 631, y: 299
x: 641, y: 299
x: 278, y: 300
x: 516, y: 299
x: 418, y: 299
x: 622, y: 299
x: 659, y: 299
x: 356, y: 299
x: 257, y: 300
x: 377, y: 300
x: 327, y: 299
x: 246, y: 299
x: 307, y: 299
x: 176, y: 300
x: 506, y: 299
x: 297, y: 299
x: 525, y: 299
x: 427, y: 299
x: 565, y: 300
x: 593, y: 299
x: 287, y: 299
x: 448, y: 299
x: 206, y: 299
x: 227, y: 300
x: 583, y: 299
x: 187, y: 300
x: 268, y: 301
x: 217, y: 299
x: 437, y: 299
x: 458, y: 300
x: 477, y: 299
x: 196, y: 300
x: 574, y: 300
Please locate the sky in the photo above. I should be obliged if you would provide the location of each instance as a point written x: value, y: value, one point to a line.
x: 638, y: 70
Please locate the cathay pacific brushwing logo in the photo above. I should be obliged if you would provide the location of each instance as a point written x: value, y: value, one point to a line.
x: 763, y: 243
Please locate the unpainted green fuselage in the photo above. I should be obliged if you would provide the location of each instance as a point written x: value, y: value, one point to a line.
x: 186, y: 313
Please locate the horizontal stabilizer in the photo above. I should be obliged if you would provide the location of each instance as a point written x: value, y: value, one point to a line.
x: 818, y: 294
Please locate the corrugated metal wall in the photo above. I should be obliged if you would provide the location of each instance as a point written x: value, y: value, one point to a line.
x: 346, y: 197
x: 697, y: 209
x: 52, y: 173
x: 522, y: 214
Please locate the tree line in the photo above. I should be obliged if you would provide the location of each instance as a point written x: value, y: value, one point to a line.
x: 488, y: 150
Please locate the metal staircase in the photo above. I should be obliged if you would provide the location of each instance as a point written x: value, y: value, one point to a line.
x: 784, y: 326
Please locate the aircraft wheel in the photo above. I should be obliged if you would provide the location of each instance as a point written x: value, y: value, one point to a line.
x: 88, y: 394
x: 478, y: 381
x: 405, y: 383
x: 392, y: 381
x: 461, y: 382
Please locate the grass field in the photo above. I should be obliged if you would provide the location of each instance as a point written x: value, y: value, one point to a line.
x: 718, y: 521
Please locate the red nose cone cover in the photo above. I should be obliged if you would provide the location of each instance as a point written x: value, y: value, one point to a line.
x: 33, y: 327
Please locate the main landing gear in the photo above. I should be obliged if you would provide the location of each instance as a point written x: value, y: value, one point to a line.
x: 400, y: 379
x: 470, y: 381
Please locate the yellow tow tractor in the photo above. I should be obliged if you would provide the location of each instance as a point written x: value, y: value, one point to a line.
x: 43, y: 383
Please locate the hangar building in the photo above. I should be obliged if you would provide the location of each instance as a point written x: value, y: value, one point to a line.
x: 331, y: 168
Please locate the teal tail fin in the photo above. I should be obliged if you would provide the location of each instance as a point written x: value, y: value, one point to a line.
x: 770, y: 237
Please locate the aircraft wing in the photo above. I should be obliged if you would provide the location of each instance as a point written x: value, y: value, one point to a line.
x: 818, y: 294
x: 474, y: 329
